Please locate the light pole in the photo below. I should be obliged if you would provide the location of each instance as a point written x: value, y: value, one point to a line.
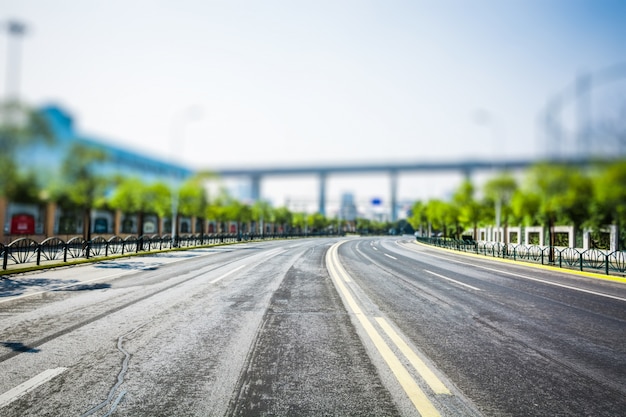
x: 15, y: 30
x: 485, y: 118
x: 177, y: 136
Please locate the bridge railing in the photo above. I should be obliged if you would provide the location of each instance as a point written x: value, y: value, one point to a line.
x: 594, y: 260
x: 52, y: 250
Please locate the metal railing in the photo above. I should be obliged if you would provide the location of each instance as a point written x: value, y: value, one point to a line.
x: 595, y: 260
x: 56, y: 250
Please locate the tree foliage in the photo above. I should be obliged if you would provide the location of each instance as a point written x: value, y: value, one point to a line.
x: 20, y: 127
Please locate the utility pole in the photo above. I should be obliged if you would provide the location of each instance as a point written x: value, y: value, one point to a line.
x: 15, y: 30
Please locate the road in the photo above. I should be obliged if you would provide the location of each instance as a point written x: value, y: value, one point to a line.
x: 312, y: 327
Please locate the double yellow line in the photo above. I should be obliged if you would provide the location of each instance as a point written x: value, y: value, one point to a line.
x: 419, y: 399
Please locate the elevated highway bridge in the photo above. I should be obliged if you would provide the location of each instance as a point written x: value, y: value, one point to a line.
x: 322, y: 172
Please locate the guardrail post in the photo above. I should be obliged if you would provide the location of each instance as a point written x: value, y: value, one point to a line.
x: 560, y: 259
x: 606, y: 264
x: 38, y: 254
x: 5, y: 258
x: 87, y: 247
x: 581, y: 262
x: 65, y: 249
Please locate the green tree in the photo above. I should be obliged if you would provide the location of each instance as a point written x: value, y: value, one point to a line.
x: 441, y: 215
x: 299, y: 221
x: 82, y: 186
x: 470, y: 210
x: 261, y: 213
x: 284, y: 217
x: 192, y: 199
x: 238, y: 212
x: 317, y: 222
x: 608, y: 205
x: 128, y: 197
x: 525, y: 206
x: 418, y: 218
x: 20, y: 127
x: 564, y: 196
x: 158, y: 199
x: 218, y: 209
x: 499, y: 191
x: 610, y: 193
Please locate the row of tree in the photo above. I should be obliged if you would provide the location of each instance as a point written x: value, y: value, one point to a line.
x: 589, y: 197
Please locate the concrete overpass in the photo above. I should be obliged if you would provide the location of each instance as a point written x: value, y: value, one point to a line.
x: 467, y: 167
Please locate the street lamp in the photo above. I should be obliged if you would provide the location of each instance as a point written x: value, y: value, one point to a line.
x: 177, y: 136
x: 15, y: 30
x: 485, y: 118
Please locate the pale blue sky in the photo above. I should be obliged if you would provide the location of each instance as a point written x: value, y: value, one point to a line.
x: 292, y: 82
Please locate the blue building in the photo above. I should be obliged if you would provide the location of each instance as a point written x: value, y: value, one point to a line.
x: 31, y: 219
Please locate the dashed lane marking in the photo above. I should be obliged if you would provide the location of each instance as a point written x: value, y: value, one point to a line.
x: 28, y: 386
x: 452, y: 280
x: 227, y: 274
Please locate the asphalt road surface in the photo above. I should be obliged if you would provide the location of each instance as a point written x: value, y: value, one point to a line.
x: 312, y: 327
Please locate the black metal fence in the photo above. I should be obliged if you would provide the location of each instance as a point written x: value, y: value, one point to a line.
x: 55, y: 250
x: 594, y: 260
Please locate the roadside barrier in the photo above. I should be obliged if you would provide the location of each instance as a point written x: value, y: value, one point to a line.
x: 594, y: 260
x: 56, y: 250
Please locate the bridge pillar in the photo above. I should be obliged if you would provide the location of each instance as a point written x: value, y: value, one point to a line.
x: 393, y: 175
x: 322, y: 196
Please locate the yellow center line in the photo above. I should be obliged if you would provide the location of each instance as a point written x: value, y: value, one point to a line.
x: 335, y: 262
x: 431, y: 379
x: 410, y: 387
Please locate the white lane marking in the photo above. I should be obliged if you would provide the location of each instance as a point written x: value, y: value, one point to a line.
x: 28, y: 386
x: 227, y: 274
x: 600, y: 294
x: 374, y: 247
x: 392, y: 257
x: 274, y: 252
x: 453, y: 280
x: 556, y: 284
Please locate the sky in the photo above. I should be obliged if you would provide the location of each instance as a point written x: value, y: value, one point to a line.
x: 216, y: 84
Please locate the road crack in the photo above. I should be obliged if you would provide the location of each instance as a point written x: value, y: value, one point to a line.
x: 111, y: 398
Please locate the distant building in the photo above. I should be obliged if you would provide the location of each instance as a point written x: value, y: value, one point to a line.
x: 30, y: 219
x: 119, y: 160
x: 348, y: 210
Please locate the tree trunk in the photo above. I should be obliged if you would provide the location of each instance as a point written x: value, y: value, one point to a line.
x: 87, y: 224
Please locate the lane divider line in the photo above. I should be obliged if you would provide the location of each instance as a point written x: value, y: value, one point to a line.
x: 335, y: 261
x: 452, y: 280
x: 28, y: 386
x: 392, y: 257
x: 269, y: 254
x: 419, y: 399
x: 543, y: 281
x: 232, y: 271
x: 429, y: 376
